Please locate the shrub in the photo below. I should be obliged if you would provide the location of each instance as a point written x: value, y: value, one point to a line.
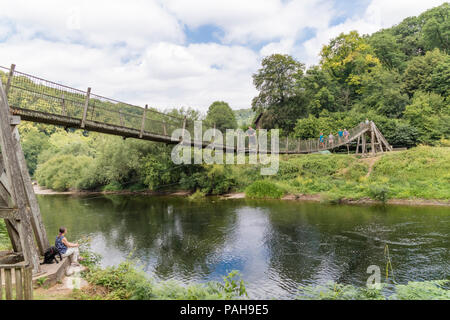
x: 264, y: 189
x: 62, y: 172
x: 113, y: 186
x: 128, y: 282
x: 379, y: 192
x: 197, y: 195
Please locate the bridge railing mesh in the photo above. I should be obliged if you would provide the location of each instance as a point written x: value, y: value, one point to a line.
x: 33, y: 93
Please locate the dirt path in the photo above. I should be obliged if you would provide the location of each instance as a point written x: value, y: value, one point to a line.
x: 370, y: 162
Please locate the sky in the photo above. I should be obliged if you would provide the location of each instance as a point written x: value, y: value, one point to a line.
x: 178, y: 53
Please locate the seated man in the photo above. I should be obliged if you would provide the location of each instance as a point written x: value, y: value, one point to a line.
x: 66, y: 248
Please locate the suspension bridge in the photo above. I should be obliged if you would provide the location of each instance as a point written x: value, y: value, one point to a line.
x: 31, y: 98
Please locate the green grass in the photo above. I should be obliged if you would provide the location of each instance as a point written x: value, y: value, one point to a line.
x: 422, y: 172
x: 264, y: 190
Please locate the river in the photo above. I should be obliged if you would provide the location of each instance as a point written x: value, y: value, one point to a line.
x: 276, y: 245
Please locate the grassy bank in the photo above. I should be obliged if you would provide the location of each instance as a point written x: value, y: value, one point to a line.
x: 128, y: 282
x: 415, y: 174
x: 418, y: 173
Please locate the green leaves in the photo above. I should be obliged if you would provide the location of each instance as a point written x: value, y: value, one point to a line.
x: 221, y: 115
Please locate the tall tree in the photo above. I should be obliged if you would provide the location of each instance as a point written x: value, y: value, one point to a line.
x: 278, y: 83
x: 348, y: 57
x: 221, y: 115
x: 427, y: 73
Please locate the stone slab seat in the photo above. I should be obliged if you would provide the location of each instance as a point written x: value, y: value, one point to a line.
x: 52, y: 273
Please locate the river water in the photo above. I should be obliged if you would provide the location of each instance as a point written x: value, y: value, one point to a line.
x: 276, y: 245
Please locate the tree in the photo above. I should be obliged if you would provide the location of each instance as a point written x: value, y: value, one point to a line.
x: 388, y: 50
x: 321, y: 91
x: 278, y: 83
x: 348, y: 57
x: 430, y: 114
x: 221, y: 115
x: 420, y: 71
x: 381, y: 91
x: 436, y: 30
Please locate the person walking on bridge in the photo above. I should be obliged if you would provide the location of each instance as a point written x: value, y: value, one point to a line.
x: 346, y: 134
x: 330, y: 139
x: 340, y: 135
x: 66, y: 248
x: 322, y: 144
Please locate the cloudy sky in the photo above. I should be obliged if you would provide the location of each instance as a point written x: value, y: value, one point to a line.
x: 176, y: 53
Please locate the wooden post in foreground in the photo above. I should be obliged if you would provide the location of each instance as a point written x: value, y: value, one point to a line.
x: 18, y: 190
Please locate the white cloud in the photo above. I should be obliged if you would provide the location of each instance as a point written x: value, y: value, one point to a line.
x: 137, y: 51
x: 165, y: 75
x: 379, y: 14
x: 98, y: 23
x: 253, y: 20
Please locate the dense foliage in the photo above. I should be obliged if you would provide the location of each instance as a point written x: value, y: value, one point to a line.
x: 399, y: 77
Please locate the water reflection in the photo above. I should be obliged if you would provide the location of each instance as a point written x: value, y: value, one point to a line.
x: 276, y: 245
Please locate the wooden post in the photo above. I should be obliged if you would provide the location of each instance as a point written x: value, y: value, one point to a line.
x: 63, y: 104
x: 10, y: 76
x: 86, y: 106
x: 28, y: 283
x: 143, y: 122
x: 299, y: 143
x: 363, y: 139
x: 36, y: 219
x: 8, y: 284
x: 19, y: 284
x: 18, y: 190
x: 357, y: 145
x: 164, y: 128
x: 287, y: 145
x: 121, y: 118
x: 380, y: 143
x: 372, y: 140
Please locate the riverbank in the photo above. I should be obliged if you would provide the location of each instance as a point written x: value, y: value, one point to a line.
x: 241, y: 195
x: 368, y: 201
x: 418, y: 176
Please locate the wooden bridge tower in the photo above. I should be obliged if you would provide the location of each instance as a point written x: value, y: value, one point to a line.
x: 377, y: 141
x: 18, y: 204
